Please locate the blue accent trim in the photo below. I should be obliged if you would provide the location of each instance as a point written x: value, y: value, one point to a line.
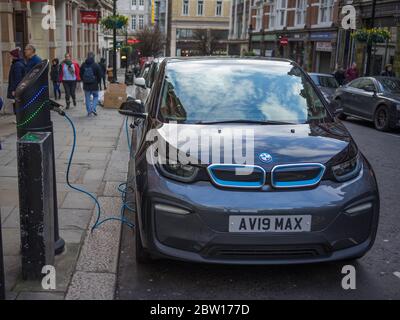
x: 300, y: 183
x: 32, y: 100
x: 236, y: 184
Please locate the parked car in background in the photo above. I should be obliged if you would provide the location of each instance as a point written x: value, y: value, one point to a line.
x: 146, y: 78
x: 375, y: 99
x: 326, y: 83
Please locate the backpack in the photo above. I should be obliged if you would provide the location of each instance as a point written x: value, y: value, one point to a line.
x: 88, y: 75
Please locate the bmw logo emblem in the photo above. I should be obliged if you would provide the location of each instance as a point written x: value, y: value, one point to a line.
x: 265, y: 157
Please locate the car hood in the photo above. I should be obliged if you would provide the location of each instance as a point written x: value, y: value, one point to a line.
x: 285, y: 143
x: 395, y: 97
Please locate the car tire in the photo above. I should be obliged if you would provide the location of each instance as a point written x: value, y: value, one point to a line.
x: 142, y: 256
x: 341, y: 116
x: 381, y: 119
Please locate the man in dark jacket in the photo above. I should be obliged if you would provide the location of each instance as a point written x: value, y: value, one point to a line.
x: 90, y: 73
x: 388, y: 72
x: 55, y: 78
x: 16, y: 74
x: 103, y: 68
x: 31, y: 58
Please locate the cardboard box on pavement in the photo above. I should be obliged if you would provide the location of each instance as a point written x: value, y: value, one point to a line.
x: 115, y: 95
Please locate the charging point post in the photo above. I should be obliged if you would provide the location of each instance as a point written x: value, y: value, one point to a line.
x: 35, y: 184
x: 33, y: 115
x: 2, y: 280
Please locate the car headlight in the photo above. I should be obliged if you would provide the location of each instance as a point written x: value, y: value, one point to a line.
x: 347, y: 170
x: 178, y: 171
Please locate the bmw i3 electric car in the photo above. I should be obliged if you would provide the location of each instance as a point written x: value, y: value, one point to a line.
x: 304, y: 194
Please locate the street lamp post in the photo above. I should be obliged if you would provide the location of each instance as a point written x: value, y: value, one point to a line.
x: 250, y: 31
x: 369, y: 44
x: 114, y: 43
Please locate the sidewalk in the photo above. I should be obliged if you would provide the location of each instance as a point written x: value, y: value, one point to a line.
x: 87, y: 268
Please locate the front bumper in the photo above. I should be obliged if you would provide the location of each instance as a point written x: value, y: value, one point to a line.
x: 202, y: 234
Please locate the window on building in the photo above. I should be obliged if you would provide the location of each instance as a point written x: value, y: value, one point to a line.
x: 325, y: 11
x: 281, y: 13
x: 272, y: 16
x: 134, y: 3
x: 185, y: 7
x: 184, y: 33
x: 141, y: 3
x: 200, y: 7
x: 301, y: 7
x: 133, y: 23
x: 259, y: 18
x: 218, y: 8
x: 141, y: 22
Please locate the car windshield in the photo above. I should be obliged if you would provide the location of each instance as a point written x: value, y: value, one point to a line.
x: 390, y: 85
x: 325, y: 81
x: 201, y: 91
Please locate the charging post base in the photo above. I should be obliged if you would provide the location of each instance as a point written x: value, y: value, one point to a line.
x: 35, y: 184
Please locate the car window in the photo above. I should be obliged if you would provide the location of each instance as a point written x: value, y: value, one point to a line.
x: 366, y: 83
x: 315, y: 78
x: 391, y: 85
x: 328, y: 82
x: 355, y: 83
x: 250, y: 90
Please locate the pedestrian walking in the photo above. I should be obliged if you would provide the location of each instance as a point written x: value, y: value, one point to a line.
x: 352, y: 72
x: 340, y: 75
x: 91, y: 76
x: 103, y: 68
x: 69, y: 75
x: 16, y: 74
x: 55, y: 78
x: 388, y: 71
x: 31, y: 58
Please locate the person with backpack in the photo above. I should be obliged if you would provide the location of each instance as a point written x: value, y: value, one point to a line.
x: 91, y: 76
x: 55, y: 78
x: 69, y: 75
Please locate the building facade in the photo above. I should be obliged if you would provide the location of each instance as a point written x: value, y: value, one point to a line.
x: 197, y: 27
x: 387, y: 15
x: 21, y: 23
x: 302, y: 30
x: 138, y: 13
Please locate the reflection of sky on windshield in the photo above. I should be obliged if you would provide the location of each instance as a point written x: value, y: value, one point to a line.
x: 226, y: 90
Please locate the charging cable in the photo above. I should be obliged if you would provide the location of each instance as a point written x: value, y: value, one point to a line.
x: 123, y: 191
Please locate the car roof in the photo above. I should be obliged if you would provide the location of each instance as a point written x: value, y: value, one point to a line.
x: 229, y: 60
x: 320, y: 74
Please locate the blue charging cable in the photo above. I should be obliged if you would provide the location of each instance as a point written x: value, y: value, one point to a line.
x: 123, y: 191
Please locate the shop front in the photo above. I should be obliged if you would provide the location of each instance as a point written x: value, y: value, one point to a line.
x: 323, y: 51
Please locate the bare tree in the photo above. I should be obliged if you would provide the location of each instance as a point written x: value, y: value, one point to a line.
x: 207, y: 41
x: 151, y: 41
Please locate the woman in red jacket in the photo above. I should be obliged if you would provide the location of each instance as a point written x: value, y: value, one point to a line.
x: 69, y: 75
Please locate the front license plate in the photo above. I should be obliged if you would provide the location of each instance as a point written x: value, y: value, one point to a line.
x: 270, y: 223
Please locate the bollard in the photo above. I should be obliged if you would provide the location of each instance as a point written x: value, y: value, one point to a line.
x: 2, y: 280
x: 33, y: 114
x: 35, y: 185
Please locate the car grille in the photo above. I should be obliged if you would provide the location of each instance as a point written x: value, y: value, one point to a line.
x: 282, y: 252
x: 237, y: 176
x: 297, y: 175
x: 300, y: 175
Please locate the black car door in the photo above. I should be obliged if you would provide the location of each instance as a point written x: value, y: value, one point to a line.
x: 366, y: 99
x: 348, y: 97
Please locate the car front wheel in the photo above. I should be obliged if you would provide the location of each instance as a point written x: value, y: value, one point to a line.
x: 381, y: 119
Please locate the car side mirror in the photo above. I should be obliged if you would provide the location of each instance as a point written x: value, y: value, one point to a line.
x: 140, y: 82
x: 370, y: 88
x: 133, y: 108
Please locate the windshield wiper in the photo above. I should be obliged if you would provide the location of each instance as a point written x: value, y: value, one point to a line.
x: 246, y: 121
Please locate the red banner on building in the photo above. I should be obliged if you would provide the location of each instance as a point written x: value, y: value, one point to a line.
x: 133, y: 41
x: 90, y: 16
